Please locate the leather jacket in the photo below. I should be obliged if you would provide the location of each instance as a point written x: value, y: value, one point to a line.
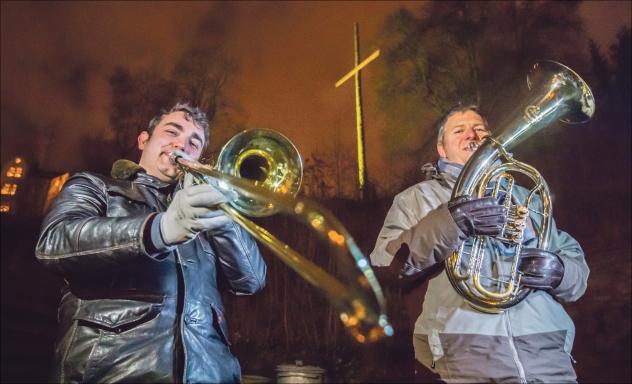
x: 127, y: 315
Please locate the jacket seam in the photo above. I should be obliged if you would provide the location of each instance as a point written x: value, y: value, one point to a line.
x: 246, y: 254
x: 90, y: 360
x: 81, y: 253
x: 83, y: 224
x: 70, y: 342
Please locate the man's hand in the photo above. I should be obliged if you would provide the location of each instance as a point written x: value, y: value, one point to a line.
x: 478, y: 217
x: 192, y: 210
x: 540, y: 269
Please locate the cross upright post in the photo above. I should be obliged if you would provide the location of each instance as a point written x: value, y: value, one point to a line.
x: 362, y: 172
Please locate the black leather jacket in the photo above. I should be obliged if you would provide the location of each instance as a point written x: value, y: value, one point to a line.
x: 129, y: 316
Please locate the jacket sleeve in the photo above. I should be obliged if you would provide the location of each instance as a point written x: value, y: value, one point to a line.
x: 77, y: 237
x: 239, y: 258
x: 575, y: 278
x: 422, y: 222
x: 576, y: 271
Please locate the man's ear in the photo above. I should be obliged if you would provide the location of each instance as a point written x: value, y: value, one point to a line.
x: 441, y: 150
x: 143, y: 137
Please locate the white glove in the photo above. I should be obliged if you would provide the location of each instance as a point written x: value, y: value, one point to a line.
x: 192, y: 210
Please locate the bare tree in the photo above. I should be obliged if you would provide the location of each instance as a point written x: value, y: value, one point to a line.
x: 473, y: 52
x: 136, y: 98
x: 200, y: 77
x: 316, y: 181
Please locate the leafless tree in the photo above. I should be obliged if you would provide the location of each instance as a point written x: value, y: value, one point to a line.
x: 472, y: 52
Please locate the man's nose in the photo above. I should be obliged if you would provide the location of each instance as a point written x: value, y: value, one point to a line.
x: 470, y: 133
x: 182, y: 145
x: 178, y: 143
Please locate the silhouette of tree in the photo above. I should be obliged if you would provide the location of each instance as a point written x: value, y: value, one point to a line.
x: 317, y: 183
x: 620, y: 54
x: 473, y: 52
x: 329, y: 174
x: 136, y: 98
x: 200, y: 77
x: 601, y: 70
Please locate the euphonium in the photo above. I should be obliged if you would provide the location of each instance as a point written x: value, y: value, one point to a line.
x: 556, y: 93
x: 264, y: 169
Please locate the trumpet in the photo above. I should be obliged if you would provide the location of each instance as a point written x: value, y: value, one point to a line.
x: 265, y: 170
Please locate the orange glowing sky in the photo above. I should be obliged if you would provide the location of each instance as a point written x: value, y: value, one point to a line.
x: 290, y: 56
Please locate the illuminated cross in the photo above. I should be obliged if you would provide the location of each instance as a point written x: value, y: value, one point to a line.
x: 362, y: 174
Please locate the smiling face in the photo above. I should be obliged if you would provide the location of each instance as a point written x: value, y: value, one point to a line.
x: 175, y: 130
x: 460, y: 130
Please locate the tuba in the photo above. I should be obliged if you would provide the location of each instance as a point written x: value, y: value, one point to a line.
x: 556, y: 93
x: 264, y: 170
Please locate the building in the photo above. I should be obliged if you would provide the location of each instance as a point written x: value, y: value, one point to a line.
x: 26, y: 191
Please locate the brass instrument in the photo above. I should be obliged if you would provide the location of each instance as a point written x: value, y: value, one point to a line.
x: 264, y: 169
x: 556, y: 93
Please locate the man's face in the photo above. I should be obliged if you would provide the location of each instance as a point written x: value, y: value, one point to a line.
x: 175, y: 131
x: 461, y: 129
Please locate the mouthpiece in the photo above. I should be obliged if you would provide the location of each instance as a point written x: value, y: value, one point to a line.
x: 178, y: 154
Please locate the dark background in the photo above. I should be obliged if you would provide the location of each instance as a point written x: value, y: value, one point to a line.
x: 78, y: 110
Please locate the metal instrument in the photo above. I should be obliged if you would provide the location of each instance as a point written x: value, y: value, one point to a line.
x: 556, y: 93
x: 265, y: 170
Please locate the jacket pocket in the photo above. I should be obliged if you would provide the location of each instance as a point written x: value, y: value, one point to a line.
x: 116, y: 315
x: 108, y: 333
x: 219, y: 323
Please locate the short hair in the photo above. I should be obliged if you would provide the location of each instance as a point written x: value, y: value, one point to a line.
x: 458, y: 108
x: 192, y: 113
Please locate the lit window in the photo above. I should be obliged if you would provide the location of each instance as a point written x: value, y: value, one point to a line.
x: 15, y: 172
x: 9, y: 189
x: 5, y: 208
x: 18, y: 160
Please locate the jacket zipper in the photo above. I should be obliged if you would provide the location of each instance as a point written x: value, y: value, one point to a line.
x: 181, y: 296
x: 514, y: 351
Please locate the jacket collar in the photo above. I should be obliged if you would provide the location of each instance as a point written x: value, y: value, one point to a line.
x: 444, y: 172
x: 151, y: 181
x: 128, y: 170
x: 447, y: 167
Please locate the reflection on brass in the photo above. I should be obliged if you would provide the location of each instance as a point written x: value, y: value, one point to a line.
x: 557, y: 93
x: 277, y: 168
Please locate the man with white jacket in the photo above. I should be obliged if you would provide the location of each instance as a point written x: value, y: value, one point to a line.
x: 529, y: 342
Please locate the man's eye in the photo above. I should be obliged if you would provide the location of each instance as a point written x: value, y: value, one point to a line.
x: 171, y: 132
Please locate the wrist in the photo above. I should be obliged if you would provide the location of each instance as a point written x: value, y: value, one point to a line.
x: 155, y: 246
x: 161, y: 233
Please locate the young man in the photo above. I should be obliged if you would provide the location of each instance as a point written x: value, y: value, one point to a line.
x: 141, y: 256
x: 529, y: 342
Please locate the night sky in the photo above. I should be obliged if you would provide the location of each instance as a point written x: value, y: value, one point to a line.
x: 56, y: 58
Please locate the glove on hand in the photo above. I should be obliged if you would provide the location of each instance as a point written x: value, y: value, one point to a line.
x: 478, y: 217
x: 192, y: 210
x: 540, y: 269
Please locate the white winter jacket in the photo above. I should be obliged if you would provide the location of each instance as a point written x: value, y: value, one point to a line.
x: 530, y: 342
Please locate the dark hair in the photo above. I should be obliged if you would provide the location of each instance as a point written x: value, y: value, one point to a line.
x: 192, y: 113
x: 458, y: 108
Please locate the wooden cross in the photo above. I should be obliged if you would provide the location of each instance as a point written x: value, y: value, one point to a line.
x: 362, y: 173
